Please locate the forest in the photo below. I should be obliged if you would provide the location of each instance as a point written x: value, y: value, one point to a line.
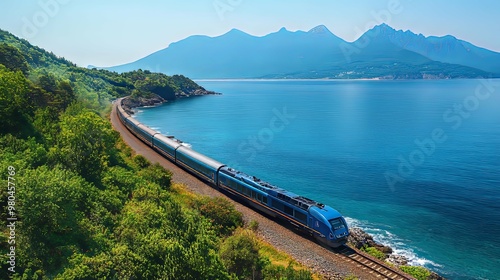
x: 83, y: 205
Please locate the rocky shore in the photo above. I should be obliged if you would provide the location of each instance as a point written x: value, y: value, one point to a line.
x: 132, y: 102
x: 360, y: 239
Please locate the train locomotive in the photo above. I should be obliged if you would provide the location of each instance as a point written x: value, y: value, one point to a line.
x: 322, y: 222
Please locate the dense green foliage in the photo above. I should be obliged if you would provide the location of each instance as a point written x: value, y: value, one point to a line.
x: 244, y: 257
x: 374, y: 252
x: 94, y: 88
x: 87, y: 207
x: 13, y: 59
x: 240, y: 254
x: 420, y: 273
x: 221, y: 213
x: 279, y: 272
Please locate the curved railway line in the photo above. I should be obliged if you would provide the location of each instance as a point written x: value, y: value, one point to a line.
x: 341, y: 260
x: 373, y: 266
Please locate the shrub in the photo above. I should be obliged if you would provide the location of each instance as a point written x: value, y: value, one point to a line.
x: 240, y: 255
x: 156, y: 173
x: 254, y: 225
x: 420, y: 273
x: 279, y: 272
x: 141, y: 161
x: 374, y: 252
x: 221, y: 213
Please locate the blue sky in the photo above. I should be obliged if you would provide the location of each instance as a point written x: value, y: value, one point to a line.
x: 111, y: 32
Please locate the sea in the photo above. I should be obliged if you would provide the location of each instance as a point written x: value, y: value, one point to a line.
x: 415, y: 163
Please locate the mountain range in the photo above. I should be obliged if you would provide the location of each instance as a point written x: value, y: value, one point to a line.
x: 381, y: 52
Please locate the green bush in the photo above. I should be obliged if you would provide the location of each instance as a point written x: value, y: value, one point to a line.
x: 253, y: 225
x: 420, y: 273
x: 374, y: 252
x: 279, y: 272
x: 240, y: 255
x: 221, y: 213
x: 156, y: 173
x: 141, y: 161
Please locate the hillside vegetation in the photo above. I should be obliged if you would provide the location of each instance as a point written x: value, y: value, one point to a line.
x: 86, y: 206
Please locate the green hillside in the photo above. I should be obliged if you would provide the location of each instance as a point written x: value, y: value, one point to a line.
x: 81, y: 205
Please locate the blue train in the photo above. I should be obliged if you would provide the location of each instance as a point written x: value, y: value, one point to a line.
x: 321, y: 221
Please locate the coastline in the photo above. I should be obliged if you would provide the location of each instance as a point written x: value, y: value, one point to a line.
x: 129, y: 104
x: 152, y: 100
x: 330, y: 79
x: 358, y: 239
x: 362, y: 240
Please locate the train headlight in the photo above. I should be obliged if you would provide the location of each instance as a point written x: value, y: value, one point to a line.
x: 342, y: 235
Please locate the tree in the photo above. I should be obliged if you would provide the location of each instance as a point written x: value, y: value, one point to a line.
x: 53, y: 204
x: 13, y: 59
x: 61, y: 93
x: 157, y: 174
x: 221, y: 214
x: 240, y: 255
x: 13, y: 90
x: 86, y: 142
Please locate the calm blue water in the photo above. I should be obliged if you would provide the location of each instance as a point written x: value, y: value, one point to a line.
x: 339, y: 141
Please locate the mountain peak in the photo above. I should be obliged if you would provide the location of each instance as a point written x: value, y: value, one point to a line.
x: 320, y: 29
x: 235, y: 31
x: 317, y: 53
x: 384, y: 27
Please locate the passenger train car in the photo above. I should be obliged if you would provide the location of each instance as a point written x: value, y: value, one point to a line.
x: 321, y: 221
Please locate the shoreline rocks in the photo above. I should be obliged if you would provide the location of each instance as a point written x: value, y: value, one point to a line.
x: 359, y: 239
x: 129, y: 103
x: 196, y: 92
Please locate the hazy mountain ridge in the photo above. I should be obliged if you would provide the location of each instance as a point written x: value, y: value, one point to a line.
x: 381, y: 52
x: 446, y: 49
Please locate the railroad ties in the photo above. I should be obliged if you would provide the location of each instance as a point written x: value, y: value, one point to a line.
x: 374, y: 267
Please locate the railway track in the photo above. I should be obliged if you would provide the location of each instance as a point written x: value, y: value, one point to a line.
x: 349, y: 255
x: 372, y: 266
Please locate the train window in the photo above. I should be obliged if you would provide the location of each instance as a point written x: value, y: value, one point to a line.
x: 254, y: 194
x: 259, y: 197
x: 278, y: 205
x: 300, y: 216
x: 289, y: 210
x: 337, y: 224
x: 264, y: 199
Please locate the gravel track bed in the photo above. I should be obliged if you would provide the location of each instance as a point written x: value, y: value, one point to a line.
x: 320, y: 260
